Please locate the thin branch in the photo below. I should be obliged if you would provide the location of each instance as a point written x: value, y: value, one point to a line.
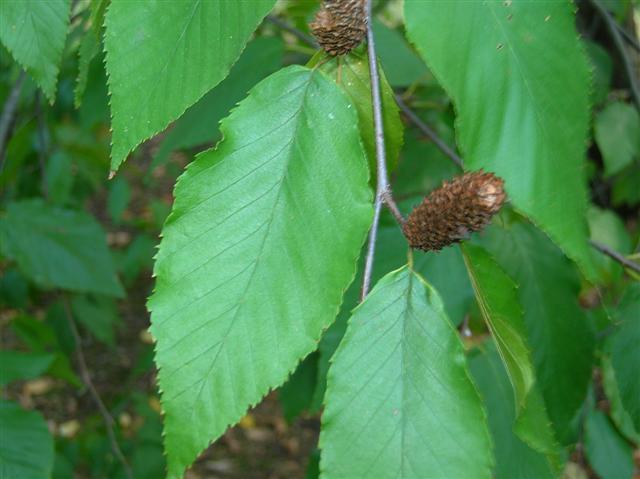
x: 604, y: 249
x: 8, y: 113
x: 430, y: 133
x: 614, y: 31
x: 299, y: 34
x: 383, y: 192
x: 86, y: 378
x: 631, y: 40
x: 43, y: 143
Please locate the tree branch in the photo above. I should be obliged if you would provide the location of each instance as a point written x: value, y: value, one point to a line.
x: 626, y: 262
x: 383, y: 192
x: 300, y: 35
x: 86, y: 378
x: 431, y: 134
x: 8, y: 113
x: 614, y: 31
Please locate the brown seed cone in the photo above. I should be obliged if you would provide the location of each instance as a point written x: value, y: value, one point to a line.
x: 452, y: 212
x: 340, y: 25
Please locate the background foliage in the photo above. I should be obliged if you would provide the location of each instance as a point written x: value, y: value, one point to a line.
x: 513, y: 356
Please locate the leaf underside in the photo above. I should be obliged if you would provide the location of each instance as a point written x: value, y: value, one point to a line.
x: 255, y: 257
x: 399, y: 400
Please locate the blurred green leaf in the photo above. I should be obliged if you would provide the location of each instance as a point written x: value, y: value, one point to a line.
x: 558, y: 331
x: 199, y: 124
x: 617, y: 133
x: 296, y: 395
x: 162, y: 57
x: 602, y: 71
x: 256, y: 286
x: 618, y: 413
x: 59, y: 248
x: 98, y: 314
x: 35, y: 32
x: 521, y: 105
x: 400, y: 63
x: 607, y: 228
x: 89, y: 46
x: 399, y: 398
x: 514, y: 458
x: 14, y: 289
x: 137, y: 257
x: 118, y: 199
x: 26, y: 446
x: 608, y: 453
x: 18, y: 365
x: 59, y: 177
x: 625, y: 353
x: 625, y: 187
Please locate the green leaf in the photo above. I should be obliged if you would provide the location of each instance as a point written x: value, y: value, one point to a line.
x: 558, y: 331
x: 98, y: 314
x: 118, y: 199
x: 351, y: 72
x: 520, y: 84
x: 617, y: 133
x: 618, y: 413
x: 17, y: 365
x: 89, y: 46
x: 58, y: 248
x: 497, y: 297
x: 59, y: 177
x: 35, y: 32
x: 625, y: 353
x: 26, y: 446
x: 514, y: 458
x: 162, y: 57
x: 602, y: 71
x: 199, y: 124
x: 401, y: 64
x: 608, y: 453
x: 296, y: 395
x: 256, y: 254
x: 607, y: 228
x: 399, y: 399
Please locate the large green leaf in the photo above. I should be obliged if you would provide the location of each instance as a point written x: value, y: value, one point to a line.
x: 514, y: 458
x: 35, y: 32
x: 399, y: 399
x: 351, y: 72
x: 255, y: 257
x: 199, y: 124
x: 26, y: 446
x: 520, y: 81
x: 625, y: 352
x: 163, y: 56
x: 58, y: 248
x: 558, y: 331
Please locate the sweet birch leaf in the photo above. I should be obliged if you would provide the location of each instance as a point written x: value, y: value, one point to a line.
x: 351, y: 72
x: 520, y: 82
x: 558, y: 331
x: 255, y: 257
x: 35, y: 32
x: 399, y: 400
x: 58, y: 248
x: 162, y: 57
x: 26, y: 446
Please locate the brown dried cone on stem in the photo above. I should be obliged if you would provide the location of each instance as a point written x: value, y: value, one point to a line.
x: 452, y: 212
x: 340, y: 25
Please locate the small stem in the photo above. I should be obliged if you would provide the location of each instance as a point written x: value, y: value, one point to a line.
x: 42, y: 140
x: 86, y: 378
x: 383, y: 193
x: 8, y: 113
x: 604, y: 249
x: 430, y: 133
x: 393, y: 207
x: 614, y: 31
